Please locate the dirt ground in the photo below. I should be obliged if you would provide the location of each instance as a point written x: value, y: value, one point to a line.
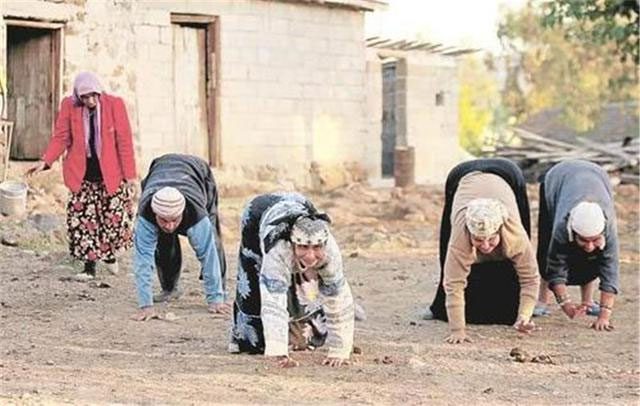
x: 69, y: 342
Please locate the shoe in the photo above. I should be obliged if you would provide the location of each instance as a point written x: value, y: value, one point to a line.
x: 427, y: 315
x: 233, y: 348
x: 359, y: 313
x: 113, y: 268
x: 166, y: 296
x: 540, y: 311
x: 83, y: 277
x: 593, y: 310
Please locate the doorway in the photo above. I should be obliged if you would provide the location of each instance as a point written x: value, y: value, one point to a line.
x: 33, y: 83
x: 388, y: 118
x: 195, y: 56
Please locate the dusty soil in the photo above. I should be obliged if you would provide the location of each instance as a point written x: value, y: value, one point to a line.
x: 69, y: 342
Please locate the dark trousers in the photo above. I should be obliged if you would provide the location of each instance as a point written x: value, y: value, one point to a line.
x: 583, y: 268
x: 492, y: 295
x: 168, y: 258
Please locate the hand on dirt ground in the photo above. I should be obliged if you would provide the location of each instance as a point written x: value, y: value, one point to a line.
x: 602, y: 324
x: 458, y: 337
x: 526, y: 327
x: 145, y: 313
x: 219, y: 308
x: 573, y: 311
x: 335, y: 362
x: 35, y: 168
x: 284, y: 361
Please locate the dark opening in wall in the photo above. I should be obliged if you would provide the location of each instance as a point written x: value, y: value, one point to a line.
x: 440, y: 98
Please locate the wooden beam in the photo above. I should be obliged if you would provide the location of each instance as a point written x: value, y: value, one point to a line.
x: 33, y: 24
x: 192, y: 19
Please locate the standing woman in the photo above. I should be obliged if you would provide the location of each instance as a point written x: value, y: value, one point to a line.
x: 99, y: 169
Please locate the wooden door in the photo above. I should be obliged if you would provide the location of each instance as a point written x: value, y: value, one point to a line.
x: 31, y: 88
x: 190, y: 89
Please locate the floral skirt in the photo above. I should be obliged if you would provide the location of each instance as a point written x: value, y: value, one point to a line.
x: 99, y: 225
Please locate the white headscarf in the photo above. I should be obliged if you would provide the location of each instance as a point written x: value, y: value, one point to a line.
x: 485, y: 216
x: 586, y: 219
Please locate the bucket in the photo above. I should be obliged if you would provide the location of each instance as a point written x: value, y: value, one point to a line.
x: 13, y: 197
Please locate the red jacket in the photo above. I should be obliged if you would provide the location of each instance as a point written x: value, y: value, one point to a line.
x: 117, y: 160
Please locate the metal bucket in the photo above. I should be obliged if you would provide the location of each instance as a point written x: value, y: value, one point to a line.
x: 404, y: 166
x: 13, y: 197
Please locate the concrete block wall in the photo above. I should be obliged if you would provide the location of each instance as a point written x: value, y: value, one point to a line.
x: 292, y: 82
x: 373, y: 145
x: 96, y: 37
x: 292, y: 77
x: 430, y: 128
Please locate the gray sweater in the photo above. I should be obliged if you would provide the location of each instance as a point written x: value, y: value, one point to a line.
x: 567, y: 184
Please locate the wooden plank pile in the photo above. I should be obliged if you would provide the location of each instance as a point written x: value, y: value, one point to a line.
x: 535, y: 154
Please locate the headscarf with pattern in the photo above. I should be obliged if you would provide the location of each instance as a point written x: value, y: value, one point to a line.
x: 485, y: 216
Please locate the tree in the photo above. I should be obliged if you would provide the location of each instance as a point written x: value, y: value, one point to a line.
x: 477, y: 102
x: 598, y: 21
x: 558, y: 64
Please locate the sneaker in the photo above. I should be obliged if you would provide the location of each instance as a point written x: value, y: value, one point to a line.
x: 593, y: 310
x: 166, y: 296
x: 112, y: 268
x: 233, y: 348
x: 83, y: 277
x: 427, y: 315
x: 540, y: 311
x: 359, y: 313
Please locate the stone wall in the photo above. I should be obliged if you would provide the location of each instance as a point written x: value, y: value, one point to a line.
x: 427, y: 113
x: 292, y: 77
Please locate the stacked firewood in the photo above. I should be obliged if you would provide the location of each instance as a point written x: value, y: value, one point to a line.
x: 535, y: 154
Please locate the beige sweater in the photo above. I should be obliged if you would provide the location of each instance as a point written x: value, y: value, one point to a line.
x: 515, y: 245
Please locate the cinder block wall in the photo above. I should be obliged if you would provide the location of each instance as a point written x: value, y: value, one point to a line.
x: 372, y: 147
x: 431, y: 128
x: 97, y: 37
x: 292, y: 83
x: 292, y: 77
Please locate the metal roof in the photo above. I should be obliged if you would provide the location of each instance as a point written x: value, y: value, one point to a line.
x: 415, y: 45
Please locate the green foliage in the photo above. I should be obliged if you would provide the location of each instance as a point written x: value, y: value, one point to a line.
x: 598, y: 22
x: 556, y: 62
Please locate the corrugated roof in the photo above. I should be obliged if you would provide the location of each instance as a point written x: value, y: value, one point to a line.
x: 410, y: 45
x: 365, y: 5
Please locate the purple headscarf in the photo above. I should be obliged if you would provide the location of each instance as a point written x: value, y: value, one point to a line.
x: 85, y: 83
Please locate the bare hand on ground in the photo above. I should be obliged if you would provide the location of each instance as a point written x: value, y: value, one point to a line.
x: 458, y: 337
x: 335, y: 362
x: 35, y: 168
x: 284, y: 361
x: 145, y: 313
x: 573, y: 311
x: 602, y: 324
x: 524, y: 326
x: 219, y: 308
